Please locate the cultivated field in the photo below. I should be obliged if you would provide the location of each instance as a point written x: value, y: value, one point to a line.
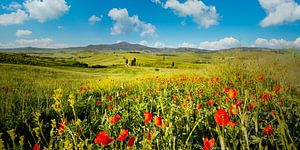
x: 94, y: 100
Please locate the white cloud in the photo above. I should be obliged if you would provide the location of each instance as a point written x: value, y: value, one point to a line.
x: 277, y: 43
x: 23, y: 32
x: 156, y: 1
x: 119, y: 41
x: 143, y: 42
x: 126, y: 24
x: 46, y: 9
x: 40, y: 10
x: 189, y: 45
x: 60, y: 27
x: 93, y: 19
x: 279, y: 12
x: 12, y: 6
x: 203, y: 15
x: 159, y: 45
x: 39, y: 43
x: 17, y: 17
x: 227, y: 42
x: 45, y: 42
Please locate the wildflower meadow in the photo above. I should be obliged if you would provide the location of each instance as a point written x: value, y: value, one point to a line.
x: 241, y: 104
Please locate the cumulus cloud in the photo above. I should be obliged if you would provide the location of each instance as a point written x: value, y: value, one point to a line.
x: 143, y: 42
x: 279, y: 12
x: 126, y: 24
x: 189, y: 45
x: 39, y: 43
x: 277, y: 43
x: 23, y: 32
x: 12, y: 6
x: 93, y: 19
x: 156, y: 1
x: 45, y: 42
x: 41, y: 10
x: 159, y: 45
x: 17, y: 17
x: 227, y: 42
x: 46, y: 9
x: 205, y: 16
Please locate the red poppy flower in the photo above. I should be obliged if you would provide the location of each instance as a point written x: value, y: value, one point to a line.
x: 167, y: 123
x: 233, y: 110
x: 260, y: 78
x: 158, y: 120
x: 123, y: 135
x: 225, y: 89
x: 251, y: 106
x: 62, y: 124
x: 36, y: 146
x: 211, y: 102
x: 208, y: 144
x: 238, y: 102
x: 198, y: 106
x: 231, y: 123
x: 198, y: 92
x: 266, y: 96
x: 111, y: 107
x: 115, y: 119
x: 277, y: 88
x: 175, y: 97
x: 109, y: 97
x: 211, y: 80
x: 149, y: 136
x: 81, y: 89
x: 232, y: 93
x: 148, y: 116
x: 97, y: 102
x: 221, y: 117
x: 131, y: 142
x: 268, y: 129
x: 103, y: 138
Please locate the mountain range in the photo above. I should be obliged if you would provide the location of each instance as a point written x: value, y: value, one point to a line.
x: 128, y: 47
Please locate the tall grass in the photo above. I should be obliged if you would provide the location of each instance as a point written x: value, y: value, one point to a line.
x: 265, y: 115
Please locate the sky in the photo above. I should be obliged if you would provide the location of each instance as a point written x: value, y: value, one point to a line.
x: 205, y: 24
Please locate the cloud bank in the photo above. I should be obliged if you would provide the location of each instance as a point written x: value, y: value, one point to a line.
x: 126, y: 24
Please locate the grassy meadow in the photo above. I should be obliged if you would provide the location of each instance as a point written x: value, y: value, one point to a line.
x: 94, y: 100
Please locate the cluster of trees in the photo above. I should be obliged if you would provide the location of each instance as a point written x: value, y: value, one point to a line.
x: 132, y: 63
x: 38, y: 61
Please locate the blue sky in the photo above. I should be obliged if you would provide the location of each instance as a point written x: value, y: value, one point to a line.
x: 209, y: 24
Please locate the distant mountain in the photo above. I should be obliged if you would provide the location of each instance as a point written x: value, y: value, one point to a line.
x: 129, y: 47
x: 122, y: 46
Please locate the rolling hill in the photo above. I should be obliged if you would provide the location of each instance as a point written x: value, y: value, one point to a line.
x: 128, y: 47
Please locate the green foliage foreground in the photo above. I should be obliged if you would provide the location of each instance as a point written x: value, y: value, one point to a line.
x: 243, y: 104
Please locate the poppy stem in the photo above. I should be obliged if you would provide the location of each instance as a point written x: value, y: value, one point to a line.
x: 187, y: 140
x: 246, y: 136
x: 221, y: 139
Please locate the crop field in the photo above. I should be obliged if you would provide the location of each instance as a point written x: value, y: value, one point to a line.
x: 105, y: 100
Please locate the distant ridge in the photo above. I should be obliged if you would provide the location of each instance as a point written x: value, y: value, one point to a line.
x: 122, y: 46
x: 129, y: 47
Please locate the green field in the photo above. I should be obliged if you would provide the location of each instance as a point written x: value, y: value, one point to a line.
x: 30, y: 106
